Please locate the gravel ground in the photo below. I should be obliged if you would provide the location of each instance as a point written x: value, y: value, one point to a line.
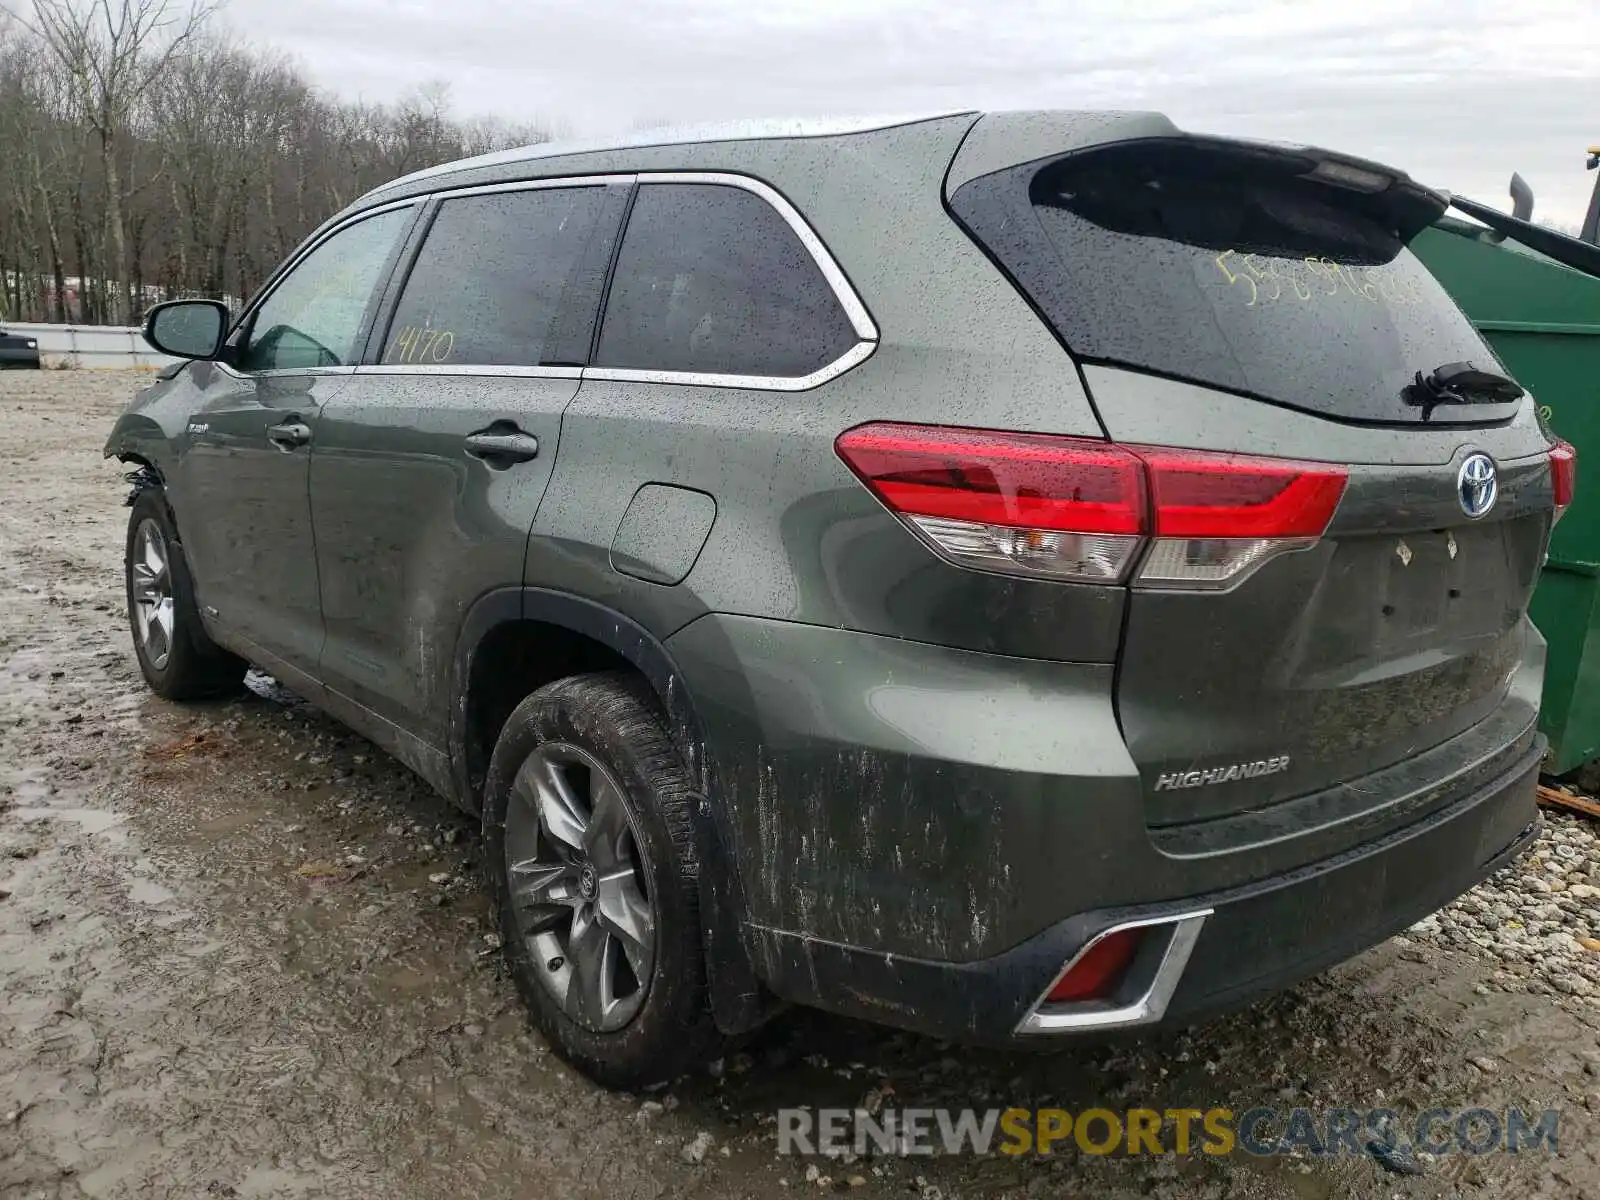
x: 242, y: 953
x: 1537, y: 924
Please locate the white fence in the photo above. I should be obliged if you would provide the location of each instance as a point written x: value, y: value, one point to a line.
x: 90, y: 345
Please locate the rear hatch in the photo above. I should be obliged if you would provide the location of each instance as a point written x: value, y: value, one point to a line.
x: 1345, y: 610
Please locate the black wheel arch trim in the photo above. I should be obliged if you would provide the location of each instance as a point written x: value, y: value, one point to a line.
x: 606, y: 626
x: 740, y: 1001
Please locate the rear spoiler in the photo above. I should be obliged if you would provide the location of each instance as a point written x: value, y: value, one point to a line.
x: 1568, y: 251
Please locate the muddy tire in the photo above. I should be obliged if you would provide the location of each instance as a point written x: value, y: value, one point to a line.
x: 178, y: 660
x: 589, y: 850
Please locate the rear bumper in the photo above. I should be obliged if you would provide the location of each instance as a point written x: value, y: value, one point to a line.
x: 1253, y: 940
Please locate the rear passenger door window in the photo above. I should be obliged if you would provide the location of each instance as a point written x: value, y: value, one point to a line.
x: 505, y: 279
x: 712, y: 280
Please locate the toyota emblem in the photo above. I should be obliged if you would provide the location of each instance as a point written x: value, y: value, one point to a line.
x: 1477, y: 485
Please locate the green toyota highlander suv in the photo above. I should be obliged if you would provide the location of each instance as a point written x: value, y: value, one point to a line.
x: 1002, y: 575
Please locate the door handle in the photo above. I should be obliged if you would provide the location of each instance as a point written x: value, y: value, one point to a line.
x: 502, y: 444
x: 289, y: 435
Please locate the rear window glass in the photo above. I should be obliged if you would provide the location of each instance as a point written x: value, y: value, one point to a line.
x: 1227, y: 269
x: 490, y: 284
x: 712, y: 280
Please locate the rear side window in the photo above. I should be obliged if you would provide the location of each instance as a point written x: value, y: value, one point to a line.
x: 1227, y: 265
x: 500, y: 281
x: 712, y: 280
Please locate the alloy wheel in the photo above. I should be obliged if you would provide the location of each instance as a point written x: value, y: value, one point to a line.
x: 580, y: 890
x: 150, y: 581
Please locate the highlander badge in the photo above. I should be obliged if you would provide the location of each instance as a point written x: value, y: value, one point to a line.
x: 1173, y: 780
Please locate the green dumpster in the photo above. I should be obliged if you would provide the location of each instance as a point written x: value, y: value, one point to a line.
x: 1543, y: 319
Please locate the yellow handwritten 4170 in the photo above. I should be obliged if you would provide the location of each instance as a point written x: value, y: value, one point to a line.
x: 413, y: 345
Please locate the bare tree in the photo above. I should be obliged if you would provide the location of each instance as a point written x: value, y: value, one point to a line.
x: 112, y: 52
x: 46, y: 157
x: 149, y: 159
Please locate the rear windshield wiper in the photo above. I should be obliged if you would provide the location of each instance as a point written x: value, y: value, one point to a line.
x: 1460, y: 383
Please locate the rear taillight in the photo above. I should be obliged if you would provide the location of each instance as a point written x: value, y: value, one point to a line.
x: 1020, y: 502
x: 1201, y: 495
x: 1220, y: 516
x: 1563, y: 475
x: 1074, y: 508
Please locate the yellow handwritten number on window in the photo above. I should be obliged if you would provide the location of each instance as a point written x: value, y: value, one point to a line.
x: 1264, y: 274
x: 1233, y: 278
x: 422, y: 345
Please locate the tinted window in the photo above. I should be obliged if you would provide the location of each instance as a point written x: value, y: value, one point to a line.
x: 711, y: 279
x: 313, y: 317
x: 1227, y: 265
x: 489, y: 284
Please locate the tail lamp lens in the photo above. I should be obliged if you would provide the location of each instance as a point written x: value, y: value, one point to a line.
x: 1097, y: 971
x: 1563, y: 474
x: 1202, y: 495
x: 1017, y: 480
x: 1075, y: 508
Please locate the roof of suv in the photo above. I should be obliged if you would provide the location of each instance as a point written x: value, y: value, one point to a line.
x: 686, y: 135
x: 1000, y: 138
x: 983, y: 142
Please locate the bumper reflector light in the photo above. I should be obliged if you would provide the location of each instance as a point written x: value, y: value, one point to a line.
x: 1097, y: 970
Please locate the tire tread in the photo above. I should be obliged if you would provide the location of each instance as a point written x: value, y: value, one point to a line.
x: 617, y: 715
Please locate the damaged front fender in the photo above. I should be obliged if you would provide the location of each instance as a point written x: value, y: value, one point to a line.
x: 147, y: 431
x: 136, y: 437
x: 142, y: 480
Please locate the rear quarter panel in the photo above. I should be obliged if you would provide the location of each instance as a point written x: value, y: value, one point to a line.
x: 796, y: 535
x: 797, y: 540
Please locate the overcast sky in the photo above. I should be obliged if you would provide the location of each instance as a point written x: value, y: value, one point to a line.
x: 1458, y: 92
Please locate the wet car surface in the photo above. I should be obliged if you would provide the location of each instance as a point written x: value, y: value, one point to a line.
x: 242, y: 952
